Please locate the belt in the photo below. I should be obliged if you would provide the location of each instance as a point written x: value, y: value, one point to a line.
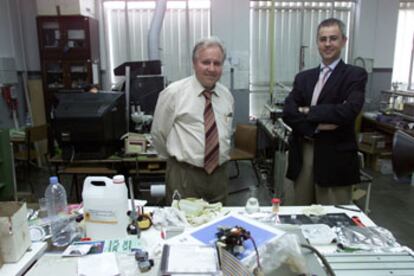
x: 186, y: 164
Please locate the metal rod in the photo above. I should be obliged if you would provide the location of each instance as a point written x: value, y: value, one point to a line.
x: 134, y: 215
x: 127, y: 93
x: 127, y: 34
x: 302, y: 46
x: 187, y: 33
x: 13, y: 172
x: 132, y: 200
x: 272, y: 50
x: 410, y: 74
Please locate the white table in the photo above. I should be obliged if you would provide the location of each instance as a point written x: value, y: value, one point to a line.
x: 33, y: 254
x: 54, y: 264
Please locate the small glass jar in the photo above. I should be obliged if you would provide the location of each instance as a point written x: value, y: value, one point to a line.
x: 275, y: 205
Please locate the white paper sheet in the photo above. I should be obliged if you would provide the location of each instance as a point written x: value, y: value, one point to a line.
x: 104, y: 264
x: 192, y: 259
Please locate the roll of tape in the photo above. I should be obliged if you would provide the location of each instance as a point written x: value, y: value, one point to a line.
x: 157, y: 190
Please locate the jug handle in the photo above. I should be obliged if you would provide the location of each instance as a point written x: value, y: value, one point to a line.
x: 88, y: 180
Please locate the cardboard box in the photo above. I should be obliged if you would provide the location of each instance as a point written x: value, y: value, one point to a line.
x: 66, y: 7
x: 385, y: 166
x: 408, y: 109
x: 373, y: 142
x: 14, y: 231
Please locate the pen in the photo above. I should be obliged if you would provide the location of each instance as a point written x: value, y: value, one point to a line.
x: 347, y: 208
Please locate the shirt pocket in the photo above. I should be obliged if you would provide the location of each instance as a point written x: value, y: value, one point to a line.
x: 225, y: 122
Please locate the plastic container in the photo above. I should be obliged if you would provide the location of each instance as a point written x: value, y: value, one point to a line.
x: 105, y: 205
x: 252, y: 205
x: 275, y: 204
x: 56, y: 206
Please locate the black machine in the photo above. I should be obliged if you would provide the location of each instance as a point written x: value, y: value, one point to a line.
x: 144, y: 92
x: 402, y: 154
x: 146, y: 82
x: 88, y: 125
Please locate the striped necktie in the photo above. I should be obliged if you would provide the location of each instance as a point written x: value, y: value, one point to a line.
x: 211, y: 153
x: 323, y: 76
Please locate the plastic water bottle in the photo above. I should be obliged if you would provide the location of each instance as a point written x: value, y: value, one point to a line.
x: 56, y: 204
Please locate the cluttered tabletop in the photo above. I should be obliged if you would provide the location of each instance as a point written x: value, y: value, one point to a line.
x: 269, y: 240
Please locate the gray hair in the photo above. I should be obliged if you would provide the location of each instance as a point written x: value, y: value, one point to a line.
x: 331, y: 22
x: 206, y: 43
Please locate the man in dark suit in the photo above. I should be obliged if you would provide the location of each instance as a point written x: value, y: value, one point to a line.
x: 321, y: 110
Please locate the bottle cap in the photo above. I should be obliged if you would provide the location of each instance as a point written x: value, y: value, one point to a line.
x: 53, y: 180
x: 118, y: 179
x: 276, y: 200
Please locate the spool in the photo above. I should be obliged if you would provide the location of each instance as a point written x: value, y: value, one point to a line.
x: 157, y: 190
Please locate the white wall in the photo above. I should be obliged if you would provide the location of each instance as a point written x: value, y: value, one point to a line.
x: 28, y: 14
x: 13, y: 14
x: 375, y: 28
x: 17, y: 22
x: 6, y: 34
x: 230, y: 22
x: 375, y: 31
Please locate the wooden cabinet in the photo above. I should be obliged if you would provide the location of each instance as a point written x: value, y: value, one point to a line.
x: 68, y: 37
x: 61, y: 74
x: 69, y: 52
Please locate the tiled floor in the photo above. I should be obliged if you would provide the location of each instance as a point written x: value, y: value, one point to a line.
x: 392, y: 203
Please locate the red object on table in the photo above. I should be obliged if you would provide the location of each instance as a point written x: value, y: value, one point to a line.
x: 357, y: 221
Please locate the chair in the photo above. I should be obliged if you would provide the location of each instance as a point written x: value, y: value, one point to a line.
x: 245, y: 144
x: 31, y: 150
x: 366, y: 180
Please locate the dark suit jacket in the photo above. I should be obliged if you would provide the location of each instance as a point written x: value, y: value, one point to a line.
x: 340, y: 102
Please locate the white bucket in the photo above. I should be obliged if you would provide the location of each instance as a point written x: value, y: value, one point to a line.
x: 105, y: 206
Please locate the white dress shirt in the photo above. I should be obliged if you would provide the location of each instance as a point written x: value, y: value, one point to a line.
x: 178, y: 125
x: 331, y: 67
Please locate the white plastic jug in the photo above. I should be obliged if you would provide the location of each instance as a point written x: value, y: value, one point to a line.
x: 105, y: 206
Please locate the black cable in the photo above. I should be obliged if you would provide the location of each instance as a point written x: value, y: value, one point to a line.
x: 328, y: 267
x: 257, y: 252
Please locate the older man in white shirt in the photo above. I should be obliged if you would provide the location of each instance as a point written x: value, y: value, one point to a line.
x: 192, y: 127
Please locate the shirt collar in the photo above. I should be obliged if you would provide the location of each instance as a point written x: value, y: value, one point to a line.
x: 199, y: 88
x: 331, y: 66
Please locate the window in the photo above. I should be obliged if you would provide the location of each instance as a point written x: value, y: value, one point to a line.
x: 179, y: 33
x: 403, y: 57
x: 295, y: 49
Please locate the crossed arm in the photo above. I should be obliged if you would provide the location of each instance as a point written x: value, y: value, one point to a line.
x: 306, y: 120
x: 321, y: 126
